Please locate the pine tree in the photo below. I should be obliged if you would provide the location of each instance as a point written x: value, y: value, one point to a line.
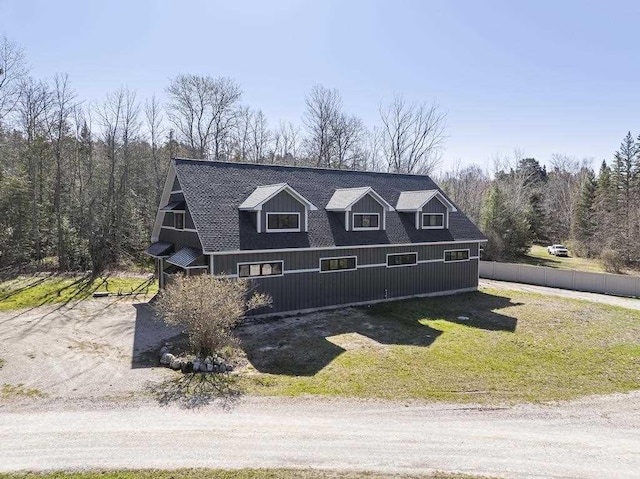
x: 583, y: 224
x: 508, y: 232
x: 625, y: 177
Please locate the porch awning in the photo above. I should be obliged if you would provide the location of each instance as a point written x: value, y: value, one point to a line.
x: 160, y: 249
x: 186, y: 257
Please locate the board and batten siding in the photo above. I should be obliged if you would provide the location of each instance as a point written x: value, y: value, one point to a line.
x: 300, y: 290
x: 435, y: 206
x: 367, y: 204
x: 283, y: 202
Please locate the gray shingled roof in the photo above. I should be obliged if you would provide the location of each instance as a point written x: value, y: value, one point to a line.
x: 415, y: 200
x: 214, y: 191
x: 185, y: 257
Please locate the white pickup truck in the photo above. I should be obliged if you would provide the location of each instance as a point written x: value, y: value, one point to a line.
x: 557, y: 250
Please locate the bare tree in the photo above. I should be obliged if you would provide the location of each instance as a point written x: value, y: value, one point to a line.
x: 155, y: 131
x: 62, y: 106
x: 13, y: 70
x: 203, y: 110
x: 347, y: 133
x: 467, y: 187
x: 260, y: 137
x: 413, y: 135
x: 323, y: 109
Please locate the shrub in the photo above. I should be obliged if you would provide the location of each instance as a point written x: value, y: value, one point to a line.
x: 612, y: 261
x: 208, y: 307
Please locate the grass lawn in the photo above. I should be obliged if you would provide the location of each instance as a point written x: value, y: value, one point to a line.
x: 515, y: 347
x: 538, y: 256
x: 228, y: 474
x: 46, y: 288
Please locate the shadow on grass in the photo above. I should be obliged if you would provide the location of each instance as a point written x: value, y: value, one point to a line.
x: 305, y: 345
x: 198, y: 389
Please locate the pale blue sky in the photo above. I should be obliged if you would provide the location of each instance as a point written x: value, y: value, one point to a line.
x: 544, y: 76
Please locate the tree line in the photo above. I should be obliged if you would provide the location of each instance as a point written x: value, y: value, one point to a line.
x: 80, y: 182
x: 596, y: 212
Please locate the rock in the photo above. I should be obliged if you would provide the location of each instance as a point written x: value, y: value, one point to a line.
x: 229, y: 367
x: 196, y: 366
x: 164, y: 350
x: 208, y: 360
x: 175, y: 364
x: 167, y: 358
x: 209, y: 367
x: 463, y: 318
x: 187, y: 367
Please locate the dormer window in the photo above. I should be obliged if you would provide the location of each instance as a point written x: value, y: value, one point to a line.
x: 366, y: 221
x: 363, y: 208
x: 283, y: 222
x: 430, y: 207
x: 433, y: 221
x: 278, y: 209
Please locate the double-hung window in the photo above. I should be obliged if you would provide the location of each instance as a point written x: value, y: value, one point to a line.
x: 432, y: 221
x: 283, y: 222
x: 366, y: 221
x: 178, y: 221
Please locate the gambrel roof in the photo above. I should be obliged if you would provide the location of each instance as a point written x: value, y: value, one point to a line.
x: 214, y: 192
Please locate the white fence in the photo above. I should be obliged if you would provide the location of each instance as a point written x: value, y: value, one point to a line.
x: 614, y: 284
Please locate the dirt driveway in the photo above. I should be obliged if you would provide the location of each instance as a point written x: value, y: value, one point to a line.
x: 90, y: 349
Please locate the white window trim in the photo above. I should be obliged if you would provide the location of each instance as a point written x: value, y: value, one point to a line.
x: 260, y: 263
x: 403, y: 254
x: 287, y: 230
x: 368, y: 228
x: 320, y: 260
x: 184, y: 220
x: 444, y: 255
x: 433, y: 227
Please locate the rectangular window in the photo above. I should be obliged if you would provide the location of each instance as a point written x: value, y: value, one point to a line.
x: 402, y: 259
x: 433, y: 220
x: 366, y: 221
x: 253, y: 270
x: 344, y: 263
x: 178, y: 221
x: 456, y: 255
x: 283, y: 222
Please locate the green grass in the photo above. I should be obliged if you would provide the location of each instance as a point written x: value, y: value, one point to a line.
x: 41, y: 289
x: 228, y: 474
x: 516, y: 347
x: 538, y: 256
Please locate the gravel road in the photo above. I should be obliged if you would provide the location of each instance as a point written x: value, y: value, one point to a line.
x: 628, y: 303
x: 590, y: 438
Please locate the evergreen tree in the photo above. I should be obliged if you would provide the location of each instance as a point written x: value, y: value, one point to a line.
x: 625, y: 177
x: 508, y: 231
x: 583, y: 224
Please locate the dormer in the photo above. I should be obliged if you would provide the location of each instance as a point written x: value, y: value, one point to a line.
x: 430, y: 207
x: 363, y: 208
x: 278, y: 209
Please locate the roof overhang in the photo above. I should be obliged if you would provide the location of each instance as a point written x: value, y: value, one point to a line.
x: 412, y: 201
x: 160, y: 249
x: 262, y: 194
x: 343, y: 199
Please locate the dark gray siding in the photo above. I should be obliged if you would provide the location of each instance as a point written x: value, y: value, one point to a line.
x: 176, y: 185
x: 180, y: 238
x: 366, y: 205
x: 283, y: 202
x: 435, y: 206
x: 298, y: 290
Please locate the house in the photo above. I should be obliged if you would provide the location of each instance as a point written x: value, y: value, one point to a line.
x: 314, y: 238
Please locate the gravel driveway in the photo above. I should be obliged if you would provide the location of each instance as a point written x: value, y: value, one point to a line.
x: 593, y: 438
x: 88, y: 349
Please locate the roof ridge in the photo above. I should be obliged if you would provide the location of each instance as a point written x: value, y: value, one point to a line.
x: 299, y: 167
